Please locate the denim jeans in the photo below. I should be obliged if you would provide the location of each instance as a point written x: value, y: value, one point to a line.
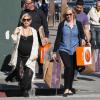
x: 95, y: 37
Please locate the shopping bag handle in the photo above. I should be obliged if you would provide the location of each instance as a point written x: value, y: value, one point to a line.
x: 52, y: 60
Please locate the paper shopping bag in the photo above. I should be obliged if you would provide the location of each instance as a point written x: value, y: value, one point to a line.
x: 91, y: 68
x: 83, y: 56
x: 96, y: 54
x: 52, y: 74
x: 42, y: 51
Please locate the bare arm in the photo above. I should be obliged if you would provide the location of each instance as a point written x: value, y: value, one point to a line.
x: 15, y: 34
x: 87, y: 32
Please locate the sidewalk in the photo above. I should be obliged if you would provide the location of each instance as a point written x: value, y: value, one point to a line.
x: 85, y: 86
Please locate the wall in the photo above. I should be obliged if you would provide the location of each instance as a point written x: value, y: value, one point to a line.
x: 9, y: 16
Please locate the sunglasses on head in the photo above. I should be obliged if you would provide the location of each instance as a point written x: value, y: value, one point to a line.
x: 28, y: 3
x: 69, y: 14
x: 28, y: 19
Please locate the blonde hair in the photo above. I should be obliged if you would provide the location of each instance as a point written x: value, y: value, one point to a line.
x: 67, y: 8
x: 24, y: 15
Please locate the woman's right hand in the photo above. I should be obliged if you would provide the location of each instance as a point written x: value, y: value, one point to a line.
x: 17, y: 30
x: 14, y: 35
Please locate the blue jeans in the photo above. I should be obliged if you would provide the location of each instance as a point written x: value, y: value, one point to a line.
x: 95, y: 37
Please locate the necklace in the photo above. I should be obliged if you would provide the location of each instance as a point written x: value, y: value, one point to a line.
x: 26, y: 32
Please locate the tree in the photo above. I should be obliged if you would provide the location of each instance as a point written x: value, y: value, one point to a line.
x: 51, y: 13
x: 63, y: 6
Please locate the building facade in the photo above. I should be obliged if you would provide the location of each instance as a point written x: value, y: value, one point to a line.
x: 9, y: 16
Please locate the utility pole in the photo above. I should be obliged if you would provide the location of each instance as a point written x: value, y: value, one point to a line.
x: 51, y: 13
x: 63, y: 6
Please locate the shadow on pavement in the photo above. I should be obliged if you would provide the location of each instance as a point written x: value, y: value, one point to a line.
x: 96, y: 75
x: 9, y: 90
x: 14, y: 91
x: 85, y: 78
x: 49, y: 92
x: 5, y: 66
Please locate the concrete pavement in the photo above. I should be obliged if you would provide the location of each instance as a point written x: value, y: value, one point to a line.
x: 88, y: 88
x: 93, y: 97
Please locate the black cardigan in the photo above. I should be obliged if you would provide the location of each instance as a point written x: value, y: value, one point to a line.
x: 60, y: 34
x: 38, y: 19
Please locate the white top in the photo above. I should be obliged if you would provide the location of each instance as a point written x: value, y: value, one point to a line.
x: 34, y: 52
x: 94, y: 16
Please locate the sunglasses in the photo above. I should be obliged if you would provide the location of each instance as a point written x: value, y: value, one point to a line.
x: 28, y: 19
x: 69, y: 14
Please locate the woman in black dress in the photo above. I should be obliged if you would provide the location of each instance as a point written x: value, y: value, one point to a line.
x: 25, y: 53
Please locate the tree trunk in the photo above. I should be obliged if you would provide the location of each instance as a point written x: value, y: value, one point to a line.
x: 51, y: 13
x: 63, y: 6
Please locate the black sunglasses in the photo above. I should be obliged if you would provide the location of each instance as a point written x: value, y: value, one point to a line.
x: 69, y: 14
x: 28, y: 19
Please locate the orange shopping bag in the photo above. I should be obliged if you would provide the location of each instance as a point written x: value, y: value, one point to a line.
x: 83, y: 56
x: 43, y: 50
